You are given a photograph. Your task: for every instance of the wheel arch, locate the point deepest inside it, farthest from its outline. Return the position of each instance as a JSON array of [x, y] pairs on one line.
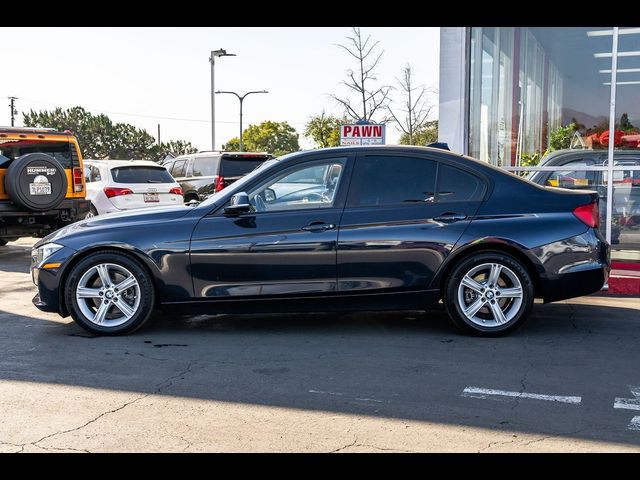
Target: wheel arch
[[127, 251], [488, 246]]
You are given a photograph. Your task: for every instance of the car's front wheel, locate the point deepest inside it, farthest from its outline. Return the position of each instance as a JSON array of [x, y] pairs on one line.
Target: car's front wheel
[[489, 294], [109, 293]]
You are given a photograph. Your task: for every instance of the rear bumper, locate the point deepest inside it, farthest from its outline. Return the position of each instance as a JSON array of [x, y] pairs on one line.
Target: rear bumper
[[16, 222], [73, 207], [573, 267]]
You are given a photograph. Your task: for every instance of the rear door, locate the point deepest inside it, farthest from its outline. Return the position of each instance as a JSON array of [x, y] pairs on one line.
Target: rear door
[[403, 216]]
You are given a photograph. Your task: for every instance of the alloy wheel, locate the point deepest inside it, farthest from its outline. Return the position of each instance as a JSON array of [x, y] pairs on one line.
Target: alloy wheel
[[490, 295], [108, 294]]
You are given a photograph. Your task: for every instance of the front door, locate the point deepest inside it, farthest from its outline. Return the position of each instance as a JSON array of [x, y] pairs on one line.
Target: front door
[[399, 223], [286, 246]]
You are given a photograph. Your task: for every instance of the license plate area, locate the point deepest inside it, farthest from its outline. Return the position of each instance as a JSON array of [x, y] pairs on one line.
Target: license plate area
[[40, 188], [151, 197]]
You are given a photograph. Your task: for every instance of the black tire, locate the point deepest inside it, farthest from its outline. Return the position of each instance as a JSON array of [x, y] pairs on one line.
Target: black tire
[[91, 213], [3, 242], [454, 309], [147, 293], [36, 170]]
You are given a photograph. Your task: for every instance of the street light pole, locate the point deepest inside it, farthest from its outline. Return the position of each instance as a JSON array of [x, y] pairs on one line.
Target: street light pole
[[215, 53], [241, 99]]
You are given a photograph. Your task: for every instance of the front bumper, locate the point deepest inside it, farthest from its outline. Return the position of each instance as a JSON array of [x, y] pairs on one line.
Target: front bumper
[[48, 281]]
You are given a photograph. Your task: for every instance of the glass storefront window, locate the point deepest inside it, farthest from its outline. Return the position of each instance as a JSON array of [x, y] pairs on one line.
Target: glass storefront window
[[533, 90], [626, 183], [538, 90]]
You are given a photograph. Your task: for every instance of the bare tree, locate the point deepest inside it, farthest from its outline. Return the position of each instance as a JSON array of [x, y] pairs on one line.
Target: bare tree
[[370, 99], [415, 110]]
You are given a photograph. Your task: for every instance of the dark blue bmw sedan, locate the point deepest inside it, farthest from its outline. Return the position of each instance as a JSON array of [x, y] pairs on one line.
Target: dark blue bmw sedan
[[348, 228]]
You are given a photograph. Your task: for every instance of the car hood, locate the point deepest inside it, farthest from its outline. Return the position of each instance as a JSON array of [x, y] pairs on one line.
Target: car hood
[[116, 220]]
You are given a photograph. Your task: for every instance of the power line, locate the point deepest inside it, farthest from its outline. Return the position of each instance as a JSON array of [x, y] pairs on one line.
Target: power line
[[160, 117]]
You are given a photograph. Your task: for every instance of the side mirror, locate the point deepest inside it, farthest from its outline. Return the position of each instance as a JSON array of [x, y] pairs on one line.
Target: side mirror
[[239, 204], [269, 195]]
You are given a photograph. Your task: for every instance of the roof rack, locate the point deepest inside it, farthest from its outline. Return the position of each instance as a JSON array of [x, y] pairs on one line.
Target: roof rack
[[49, 131]]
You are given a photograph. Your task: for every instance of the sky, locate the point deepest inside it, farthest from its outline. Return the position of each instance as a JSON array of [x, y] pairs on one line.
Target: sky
[[145, 76]]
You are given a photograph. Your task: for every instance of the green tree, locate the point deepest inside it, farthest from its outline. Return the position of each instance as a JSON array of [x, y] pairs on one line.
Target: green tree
[[99, 137], [277, 138], [424, 136], [324, 130], [561, 137], [173, 147]]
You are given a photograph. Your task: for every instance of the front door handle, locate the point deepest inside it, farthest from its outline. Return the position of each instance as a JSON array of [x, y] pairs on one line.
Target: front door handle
[[318, 227], [450, 217]]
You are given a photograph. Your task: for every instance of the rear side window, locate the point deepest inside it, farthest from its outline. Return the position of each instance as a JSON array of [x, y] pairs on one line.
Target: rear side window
[[236, 167], [178, 168], [205, 167], [61, 151], [455, 184], [141, 175], [392, 180], [570, 175]]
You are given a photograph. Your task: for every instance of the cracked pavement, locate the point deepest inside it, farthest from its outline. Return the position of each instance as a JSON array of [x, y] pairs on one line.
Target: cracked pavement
[[364, 382]]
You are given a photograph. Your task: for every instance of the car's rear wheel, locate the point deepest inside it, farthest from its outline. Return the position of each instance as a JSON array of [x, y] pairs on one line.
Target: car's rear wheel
[[489, 294], [3, 242], [109, 293]]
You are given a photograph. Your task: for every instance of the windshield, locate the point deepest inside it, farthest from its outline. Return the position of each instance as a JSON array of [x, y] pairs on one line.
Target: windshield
[[239, 185]]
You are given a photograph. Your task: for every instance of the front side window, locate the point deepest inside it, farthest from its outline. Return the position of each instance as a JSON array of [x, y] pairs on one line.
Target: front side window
[[95, 175], [178, 169], [389, 180], [303, 187]]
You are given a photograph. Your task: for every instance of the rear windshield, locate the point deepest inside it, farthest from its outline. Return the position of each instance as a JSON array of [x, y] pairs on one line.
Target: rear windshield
[[237, 167], [10, 150], [141, 175]]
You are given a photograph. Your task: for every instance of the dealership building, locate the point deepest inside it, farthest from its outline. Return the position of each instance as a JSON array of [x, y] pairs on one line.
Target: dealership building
[[509, 95]]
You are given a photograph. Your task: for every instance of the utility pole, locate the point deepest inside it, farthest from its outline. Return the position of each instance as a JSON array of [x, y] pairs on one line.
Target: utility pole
[[215, 53], [159, 142], [241, 98], [13, 110]]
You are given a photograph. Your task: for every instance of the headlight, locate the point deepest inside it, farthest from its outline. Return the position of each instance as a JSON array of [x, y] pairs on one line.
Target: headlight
[[43, 252]]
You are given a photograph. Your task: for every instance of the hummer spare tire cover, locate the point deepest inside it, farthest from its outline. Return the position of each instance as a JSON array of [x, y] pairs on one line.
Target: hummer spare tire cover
[[36, 181]]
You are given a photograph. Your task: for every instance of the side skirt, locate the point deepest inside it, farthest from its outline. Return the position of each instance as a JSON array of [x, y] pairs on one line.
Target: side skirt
[[421, 300]]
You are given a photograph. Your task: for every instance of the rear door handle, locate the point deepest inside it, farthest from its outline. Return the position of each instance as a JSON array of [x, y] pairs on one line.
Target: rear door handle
[[318, 227], [450, 217]]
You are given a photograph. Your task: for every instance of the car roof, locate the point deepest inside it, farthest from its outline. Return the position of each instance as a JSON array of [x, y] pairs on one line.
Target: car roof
[[558, 157], [121, 163]]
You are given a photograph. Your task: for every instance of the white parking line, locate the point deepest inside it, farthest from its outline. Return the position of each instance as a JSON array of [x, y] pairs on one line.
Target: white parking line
[[478, 392], [630, 404]]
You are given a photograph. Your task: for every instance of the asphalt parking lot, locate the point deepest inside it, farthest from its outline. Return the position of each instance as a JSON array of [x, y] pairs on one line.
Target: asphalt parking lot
[[567, 381]]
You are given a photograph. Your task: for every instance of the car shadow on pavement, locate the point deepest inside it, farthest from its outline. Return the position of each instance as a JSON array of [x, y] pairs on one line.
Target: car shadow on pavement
[[407, 365]]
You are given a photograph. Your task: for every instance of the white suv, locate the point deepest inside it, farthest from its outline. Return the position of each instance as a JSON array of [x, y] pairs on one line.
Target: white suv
[[115, 185]]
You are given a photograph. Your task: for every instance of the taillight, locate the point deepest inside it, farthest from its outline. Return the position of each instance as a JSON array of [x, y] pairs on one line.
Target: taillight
[[116, 192], [219, 183], [588, 214], [176, 190], [77, 179]]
